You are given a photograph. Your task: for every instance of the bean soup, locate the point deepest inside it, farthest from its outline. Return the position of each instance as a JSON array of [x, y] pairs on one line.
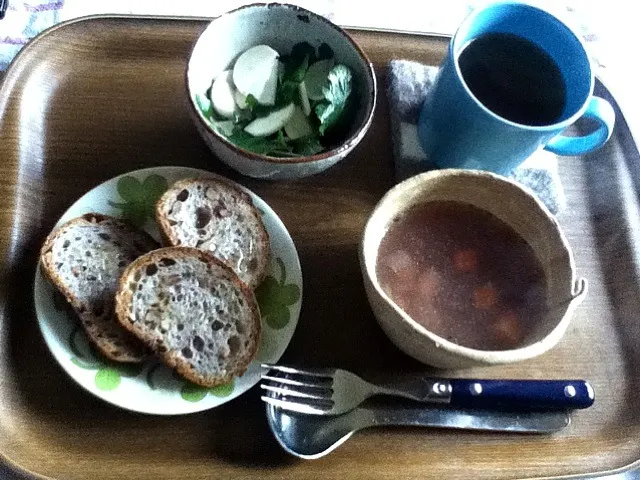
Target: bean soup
[[463, 274]]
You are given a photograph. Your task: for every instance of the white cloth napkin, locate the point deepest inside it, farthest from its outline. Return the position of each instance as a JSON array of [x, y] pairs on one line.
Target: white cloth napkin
[[409, 83]]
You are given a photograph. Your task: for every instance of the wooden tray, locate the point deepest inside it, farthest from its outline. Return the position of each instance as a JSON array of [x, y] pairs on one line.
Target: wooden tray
[[101, 96]]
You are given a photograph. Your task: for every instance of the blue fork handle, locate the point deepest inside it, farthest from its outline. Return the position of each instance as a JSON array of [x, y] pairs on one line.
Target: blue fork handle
[[521, 394]]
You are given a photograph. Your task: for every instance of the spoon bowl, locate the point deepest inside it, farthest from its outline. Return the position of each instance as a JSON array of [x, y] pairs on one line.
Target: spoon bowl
[[314, 436]]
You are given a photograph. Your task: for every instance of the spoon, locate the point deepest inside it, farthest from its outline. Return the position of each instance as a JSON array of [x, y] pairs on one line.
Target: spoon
[[313, 436]]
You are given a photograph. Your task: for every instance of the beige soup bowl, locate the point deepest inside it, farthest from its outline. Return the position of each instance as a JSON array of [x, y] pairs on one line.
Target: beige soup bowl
[[515, 206]]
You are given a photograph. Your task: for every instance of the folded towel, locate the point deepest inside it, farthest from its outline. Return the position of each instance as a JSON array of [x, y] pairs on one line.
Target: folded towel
[[409, 84]]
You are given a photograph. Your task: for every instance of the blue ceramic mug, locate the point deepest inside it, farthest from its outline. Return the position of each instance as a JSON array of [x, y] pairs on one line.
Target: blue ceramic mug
[[456, 130]]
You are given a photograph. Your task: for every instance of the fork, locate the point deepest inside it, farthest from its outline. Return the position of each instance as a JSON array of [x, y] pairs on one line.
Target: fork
[[333, 391]]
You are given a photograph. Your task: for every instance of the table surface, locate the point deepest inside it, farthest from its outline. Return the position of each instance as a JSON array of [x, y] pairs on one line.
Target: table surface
[[606, 28]]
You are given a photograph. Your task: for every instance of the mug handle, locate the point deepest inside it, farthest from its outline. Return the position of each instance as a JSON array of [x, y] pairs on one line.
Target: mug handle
[[601, 111]]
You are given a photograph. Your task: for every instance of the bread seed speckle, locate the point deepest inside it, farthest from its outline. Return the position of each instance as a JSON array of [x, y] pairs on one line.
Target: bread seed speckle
[[152, 269], [215, 326], [234, 344], [203, 217], [105, 236], [186, 352], [183, 195], [198, 343], [66, 244], [98, 308], [167, 262]]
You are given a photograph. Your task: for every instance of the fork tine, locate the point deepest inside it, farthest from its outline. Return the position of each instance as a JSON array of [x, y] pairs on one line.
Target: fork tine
[[295, 383], [292, 393], [313, 372], [294, 406]]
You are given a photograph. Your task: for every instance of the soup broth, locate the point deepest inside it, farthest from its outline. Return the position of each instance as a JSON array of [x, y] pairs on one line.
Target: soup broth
[[463, 274]]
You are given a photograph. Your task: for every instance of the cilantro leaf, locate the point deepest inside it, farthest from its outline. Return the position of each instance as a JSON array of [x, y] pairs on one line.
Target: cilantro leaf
[[307, 145], [287, 92], [251, 101], [276, 145], [336, 93], [324, 52], [296, 65]]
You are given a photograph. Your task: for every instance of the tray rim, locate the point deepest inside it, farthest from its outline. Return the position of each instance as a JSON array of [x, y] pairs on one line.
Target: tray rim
[[33, 43]]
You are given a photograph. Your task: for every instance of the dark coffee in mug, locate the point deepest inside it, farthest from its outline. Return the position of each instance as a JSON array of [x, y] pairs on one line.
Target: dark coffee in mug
[[514, 78]]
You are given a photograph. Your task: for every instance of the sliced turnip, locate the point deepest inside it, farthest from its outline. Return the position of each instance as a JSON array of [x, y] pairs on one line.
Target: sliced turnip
[[256, 72], [304, 98], [298, 125], [268, 96], [264, 126], [222, 95], [241, 100], [316, 77], [225, 127]]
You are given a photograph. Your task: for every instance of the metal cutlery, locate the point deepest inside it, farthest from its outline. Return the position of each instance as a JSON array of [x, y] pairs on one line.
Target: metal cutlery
[[332, 391], [312, 436]]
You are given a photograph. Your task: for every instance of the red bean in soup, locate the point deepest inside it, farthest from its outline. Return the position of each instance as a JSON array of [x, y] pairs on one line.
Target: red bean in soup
[[463, 274]]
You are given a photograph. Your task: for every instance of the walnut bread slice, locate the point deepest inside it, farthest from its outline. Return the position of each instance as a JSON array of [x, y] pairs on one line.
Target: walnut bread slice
[[84, 259], [216, 216], [193, 311]]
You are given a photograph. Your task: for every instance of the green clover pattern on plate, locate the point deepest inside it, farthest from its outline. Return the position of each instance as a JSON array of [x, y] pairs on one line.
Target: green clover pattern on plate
[[139, 197], [108, 373], [194, 393], [275, 296]]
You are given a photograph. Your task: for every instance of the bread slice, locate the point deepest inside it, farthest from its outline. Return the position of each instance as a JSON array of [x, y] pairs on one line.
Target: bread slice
[[216, 216], [84, 259], [193, 311]]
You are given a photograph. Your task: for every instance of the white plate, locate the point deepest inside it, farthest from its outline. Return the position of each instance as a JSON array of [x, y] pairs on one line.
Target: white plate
[[151, 387]]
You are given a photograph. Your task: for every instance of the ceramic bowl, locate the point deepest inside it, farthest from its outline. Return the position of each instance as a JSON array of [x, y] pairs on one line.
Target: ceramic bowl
[[514, 205], [280, 26]]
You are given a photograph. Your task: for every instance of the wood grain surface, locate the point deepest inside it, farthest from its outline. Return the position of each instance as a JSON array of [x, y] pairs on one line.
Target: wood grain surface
[[100, 97]]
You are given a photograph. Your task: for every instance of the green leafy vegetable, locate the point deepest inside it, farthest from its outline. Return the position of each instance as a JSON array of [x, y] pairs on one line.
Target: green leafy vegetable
[[251, 101], [308, 145], [329, 111], [287, 92], [324, 52], [302, 55], [206, 108], [271, 145], [337, 93], [204, 104]]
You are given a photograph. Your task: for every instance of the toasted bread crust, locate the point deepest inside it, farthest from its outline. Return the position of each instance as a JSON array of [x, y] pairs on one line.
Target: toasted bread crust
[[172, 358], [170, 236], [131, 349]]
